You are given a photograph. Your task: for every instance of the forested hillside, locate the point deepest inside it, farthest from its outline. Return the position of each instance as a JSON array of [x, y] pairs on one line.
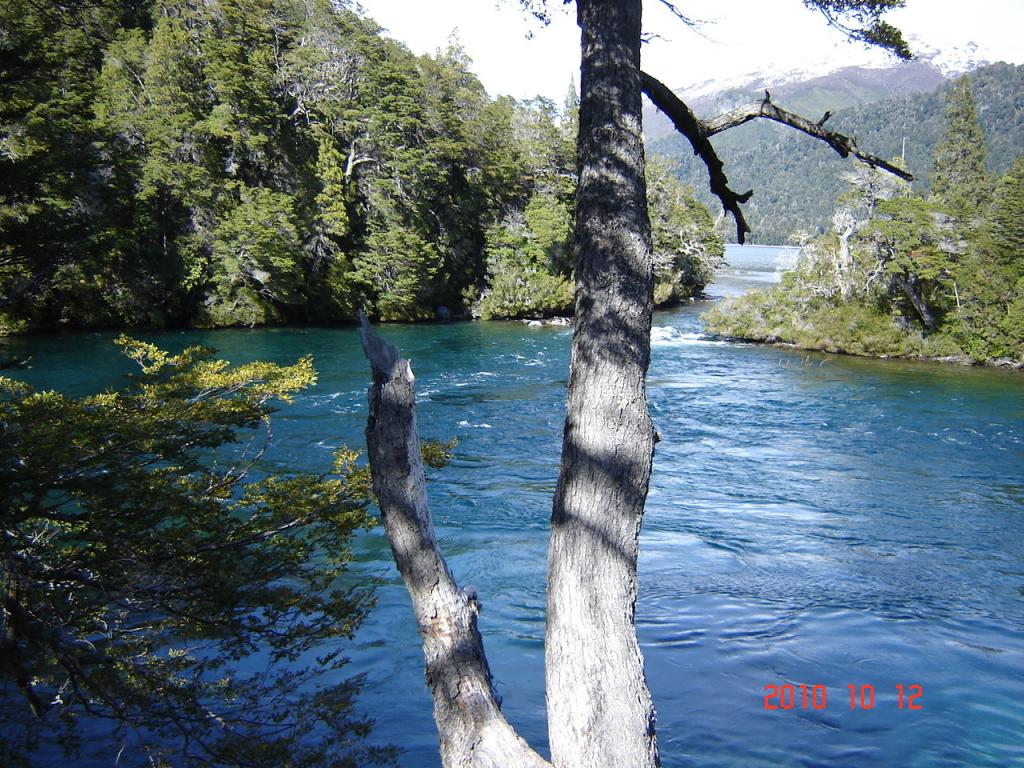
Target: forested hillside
[[264, 161], [796, 180]]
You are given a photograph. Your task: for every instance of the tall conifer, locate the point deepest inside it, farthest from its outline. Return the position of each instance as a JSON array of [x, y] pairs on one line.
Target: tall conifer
[[960, 179]]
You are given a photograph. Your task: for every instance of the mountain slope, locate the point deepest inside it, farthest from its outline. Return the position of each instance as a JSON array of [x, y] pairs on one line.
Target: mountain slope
[[811, 95], [796, 179]]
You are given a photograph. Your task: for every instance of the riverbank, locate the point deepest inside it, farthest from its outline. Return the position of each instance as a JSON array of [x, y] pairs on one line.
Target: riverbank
[[440, 317], [776, 318]]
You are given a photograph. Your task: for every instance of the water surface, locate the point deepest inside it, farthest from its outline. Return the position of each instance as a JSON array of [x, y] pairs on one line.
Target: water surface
[[812, 520]]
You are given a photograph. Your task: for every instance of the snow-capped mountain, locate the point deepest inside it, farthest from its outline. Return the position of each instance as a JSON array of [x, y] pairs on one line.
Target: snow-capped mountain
[[893, 112], [949, 61], [846, 77], [954, 60]]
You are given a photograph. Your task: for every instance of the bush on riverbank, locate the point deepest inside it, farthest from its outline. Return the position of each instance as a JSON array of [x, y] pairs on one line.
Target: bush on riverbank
[[851, 328], [519, 293]]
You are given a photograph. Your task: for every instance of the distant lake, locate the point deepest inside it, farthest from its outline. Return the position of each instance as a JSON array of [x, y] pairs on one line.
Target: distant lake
[[813, 520], [752, 266]]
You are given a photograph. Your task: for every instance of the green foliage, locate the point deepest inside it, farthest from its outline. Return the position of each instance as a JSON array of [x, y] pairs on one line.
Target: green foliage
[[396, 270], [238, 162], [862, 20], [686, 248], [990, 313], [904, 231], [524, 293], [238, 47], [549, 221], [436, 454], [833, 326], [528, 250], [960, 177], [332, 200], [520, 285], [260, 161], [900, 276], [1005, 226], [48, 59], [1012, 324], [256, 259], [159, 588], [910, 244]]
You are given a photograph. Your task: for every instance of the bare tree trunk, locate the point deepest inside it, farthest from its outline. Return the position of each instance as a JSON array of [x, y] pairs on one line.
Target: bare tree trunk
[[911, 287], [599, 708], [473, 731], [600, 713], [843, 225]]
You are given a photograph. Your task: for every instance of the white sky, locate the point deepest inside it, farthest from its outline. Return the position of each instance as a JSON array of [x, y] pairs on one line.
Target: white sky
[[740, 36]]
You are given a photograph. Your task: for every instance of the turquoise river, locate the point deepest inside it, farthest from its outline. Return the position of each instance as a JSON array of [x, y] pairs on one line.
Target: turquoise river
[[813, 520]]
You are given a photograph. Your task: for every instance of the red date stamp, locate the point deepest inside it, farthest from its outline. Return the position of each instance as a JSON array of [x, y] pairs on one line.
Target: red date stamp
[[816, 696]]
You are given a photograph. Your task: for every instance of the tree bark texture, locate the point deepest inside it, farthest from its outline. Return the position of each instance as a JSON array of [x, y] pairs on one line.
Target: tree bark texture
[[473, 731], [599, 707]]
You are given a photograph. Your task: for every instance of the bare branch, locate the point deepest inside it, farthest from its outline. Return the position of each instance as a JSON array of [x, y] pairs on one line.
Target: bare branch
[[354, 160], [680, 15], [474, 733], [699, 132], [687, 124], [844, 145]]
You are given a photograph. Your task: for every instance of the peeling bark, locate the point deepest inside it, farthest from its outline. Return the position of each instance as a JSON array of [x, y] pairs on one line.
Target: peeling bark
[[473, 731]]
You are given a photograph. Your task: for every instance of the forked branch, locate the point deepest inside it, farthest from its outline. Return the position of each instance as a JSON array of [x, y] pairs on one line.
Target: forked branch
[[473, 731], [686, 123], [699, 132]]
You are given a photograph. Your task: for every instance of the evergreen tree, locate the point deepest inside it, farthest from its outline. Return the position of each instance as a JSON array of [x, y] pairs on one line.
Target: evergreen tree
[[397, 269], [960, 179], [991, 312], [52, 264], [239, 41], [1005, 228], [522, 280], [549, 221], [908, 241], [257, 264]]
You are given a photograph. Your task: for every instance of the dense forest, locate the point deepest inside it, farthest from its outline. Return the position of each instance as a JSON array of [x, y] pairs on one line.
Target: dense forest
[[777, 163], [244, 162], [901, 274]]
